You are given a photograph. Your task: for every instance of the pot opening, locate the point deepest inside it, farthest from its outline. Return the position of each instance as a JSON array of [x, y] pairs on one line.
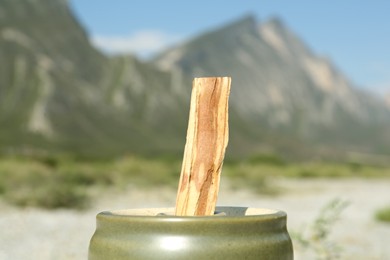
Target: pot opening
[[220, 212]]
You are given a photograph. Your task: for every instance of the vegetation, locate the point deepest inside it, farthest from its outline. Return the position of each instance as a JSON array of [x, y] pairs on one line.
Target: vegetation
[[52, 182], [316, 238], [55, 181], [383, 214]]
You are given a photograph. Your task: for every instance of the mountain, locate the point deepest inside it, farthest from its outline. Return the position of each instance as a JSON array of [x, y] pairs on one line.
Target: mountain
[[60, 95], [282, 88], [58, 92]]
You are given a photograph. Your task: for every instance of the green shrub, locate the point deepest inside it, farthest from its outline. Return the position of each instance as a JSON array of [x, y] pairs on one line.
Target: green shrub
[[306, 173], [45, 189], [268, 159], [316, 237], [49, 161], [50, 196], [254, 177], [355, 166], [2, 187], [77, 177], [61, 196], [383, 214]]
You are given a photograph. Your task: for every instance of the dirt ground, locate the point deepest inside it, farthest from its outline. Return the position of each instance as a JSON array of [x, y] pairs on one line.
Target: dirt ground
[[64, 234]]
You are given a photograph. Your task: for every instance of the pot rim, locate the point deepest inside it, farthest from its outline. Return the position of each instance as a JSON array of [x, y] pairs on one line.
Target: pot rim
[[168, 215]]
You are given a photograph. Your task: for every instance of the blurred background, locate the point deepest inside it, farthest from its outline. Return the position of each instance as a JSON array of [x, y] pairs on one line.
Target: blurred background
[[94, 102]]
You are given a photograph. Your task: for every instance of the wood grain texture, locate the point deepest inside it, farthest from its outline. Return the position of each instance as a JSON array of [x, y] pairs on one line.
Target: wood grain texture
[[207, 138]]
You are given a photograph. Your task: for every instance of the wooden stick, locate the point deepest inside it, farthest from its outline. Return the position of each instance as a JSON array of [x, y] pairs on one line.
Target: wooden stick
[[207, 138]]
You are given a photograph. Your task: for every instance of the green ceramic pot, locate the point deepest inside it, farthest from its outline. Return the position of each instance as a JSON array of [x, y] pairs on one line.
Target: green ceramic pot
[[232, 233]]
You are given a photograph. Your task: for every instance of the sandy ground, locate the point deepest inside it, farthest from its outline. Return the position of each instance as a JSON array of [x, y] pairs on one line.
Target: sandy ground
[[64, 234]]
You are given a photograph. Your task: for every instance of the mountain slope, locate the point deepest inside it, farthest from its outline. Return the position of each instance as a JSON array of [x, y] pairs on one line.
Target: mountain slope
[[59, 94], [279, 85], [57, 91]]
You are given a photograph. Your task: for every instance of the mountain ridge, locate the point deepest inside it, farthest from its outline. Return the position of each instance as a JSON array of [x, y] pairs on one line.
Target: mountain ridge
[[282, 78], [58, 94]]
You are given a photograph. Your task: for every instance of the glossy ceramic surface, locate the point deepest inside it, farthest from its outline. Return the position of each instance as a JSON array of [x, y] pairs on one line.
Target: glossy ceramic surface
[[233, 233]]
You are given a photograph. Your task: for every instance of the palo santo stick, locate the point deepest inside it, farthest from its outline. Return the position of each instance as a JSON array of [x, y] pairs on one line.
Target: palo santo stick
[[207, 138]]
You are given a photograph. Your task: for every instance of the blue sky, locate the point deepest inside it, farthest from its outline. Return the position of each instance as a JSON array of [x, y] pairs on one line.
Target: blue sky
[[355, 35]]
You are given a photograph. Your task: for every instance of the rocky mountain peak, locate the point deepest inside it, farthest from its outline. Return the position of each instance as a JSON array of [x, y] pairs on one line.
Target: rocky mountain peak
[[59, 93], [280, 83], [247, 23]]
